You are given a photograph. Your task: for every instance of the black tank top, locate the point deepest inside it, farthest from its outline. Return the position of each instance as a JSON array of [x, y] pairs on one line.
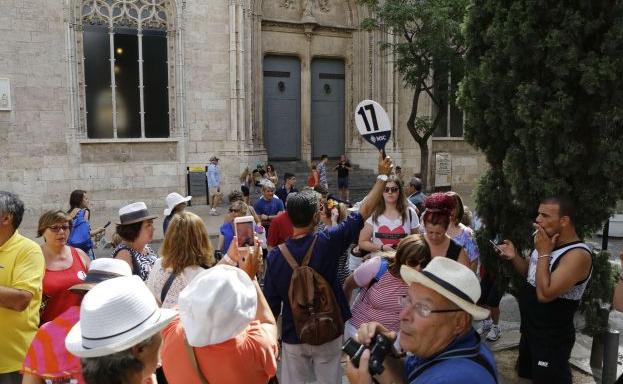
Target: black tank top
[[454, 249]]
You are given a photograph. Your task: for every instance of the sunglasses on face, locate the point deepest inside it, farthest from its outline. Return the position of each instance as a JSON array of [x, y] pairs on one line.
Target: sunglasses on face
[[232, 210], [391, 189], [57, 228]]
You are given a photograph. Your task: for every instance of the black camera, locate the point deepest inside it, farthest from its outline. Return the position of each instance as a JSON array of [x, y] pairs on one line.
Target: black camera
[[380, 347]]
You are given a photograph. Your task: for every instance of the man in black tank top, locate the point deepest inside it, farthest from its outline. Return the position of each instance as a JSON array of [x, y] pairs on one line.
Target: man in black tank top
[[557, 273]]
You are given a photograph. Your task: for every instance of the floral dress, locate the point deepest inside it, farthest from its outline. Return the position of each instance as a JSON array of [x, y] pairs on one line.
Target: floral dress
[[141, 263]]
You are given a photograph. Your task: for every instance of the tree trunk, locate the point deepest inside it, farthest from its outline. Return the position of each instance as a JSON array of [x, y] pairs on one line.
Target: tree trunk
[[424, 163]]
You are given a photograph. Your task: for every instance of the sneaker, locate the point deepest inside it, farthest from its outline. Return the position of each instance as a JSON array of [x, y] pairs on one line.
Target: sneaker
[[495, 333], [213, 212], [485, 327]]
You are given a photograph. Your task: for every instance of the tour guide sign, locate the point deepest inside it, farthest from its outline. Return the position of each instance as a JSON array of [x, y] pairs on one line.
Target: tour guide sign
[[373, 123]]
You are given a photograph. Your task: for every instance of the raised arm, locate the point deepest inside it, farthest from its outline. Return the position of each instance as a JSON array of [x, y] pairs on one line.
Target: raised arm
[[376, 194]]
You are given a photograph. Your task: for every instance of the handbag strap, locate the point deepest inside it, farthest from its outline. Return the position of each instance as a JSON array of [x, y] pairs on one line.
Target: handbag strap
[[193, 361], [166, 287]]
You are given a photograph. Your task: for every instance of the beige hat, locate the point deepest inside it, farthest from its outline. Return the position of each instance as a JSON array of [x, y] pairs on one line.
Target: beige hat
[[452, 280], [114, 316], [217, 305]]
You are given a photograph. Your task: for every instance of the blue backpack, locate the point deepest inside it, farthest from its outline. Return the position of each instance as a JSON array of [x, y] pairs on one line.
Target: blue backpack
[[80, 236]]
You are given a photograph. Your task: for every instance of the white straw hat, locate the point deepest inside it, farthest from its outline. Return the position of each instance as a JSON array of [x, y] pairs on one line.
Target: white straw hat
[[452, 280], [133, 213], [174, 199], [114, 316], [102, 269], [217, 305]]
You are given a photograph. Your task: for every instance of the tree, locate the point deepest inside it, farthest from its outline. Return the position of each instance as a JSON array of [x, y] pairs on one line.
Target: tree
[[542, 96], [428, 44]]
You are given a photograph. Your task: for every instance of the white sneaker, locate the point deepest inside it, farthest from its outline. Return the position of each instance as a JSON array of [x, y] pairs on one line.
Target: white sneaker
[[213, 212], [485, 327], [495, 333]]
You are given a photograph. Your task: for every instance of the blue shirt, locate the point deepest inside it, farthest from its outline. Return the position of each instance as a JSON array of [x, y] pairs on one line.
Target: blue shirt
[[330, 245], [270, 208], [282, 193], [457, 369], [214, 176], [227, 230]]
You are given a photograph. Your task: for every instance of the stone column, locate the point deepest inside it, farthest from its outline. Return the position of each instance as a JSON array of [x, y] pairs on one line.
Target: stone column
[[306, 149]]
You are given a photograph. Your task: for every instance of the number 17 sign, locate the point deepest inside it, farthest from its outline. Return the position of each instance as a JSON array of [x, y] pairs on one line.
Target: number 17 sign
[[373, 123]]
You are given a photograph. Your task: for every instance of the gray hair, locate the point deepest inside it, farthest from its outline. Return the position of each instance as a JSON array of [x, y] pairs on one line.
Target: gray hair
[[12, 205], [115, 368], [267, 184]]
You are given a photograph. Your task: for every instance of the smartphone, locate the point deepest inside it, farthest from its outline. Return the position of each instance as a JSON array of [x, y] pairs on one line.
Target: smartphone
[[495, 246], [243, 227]]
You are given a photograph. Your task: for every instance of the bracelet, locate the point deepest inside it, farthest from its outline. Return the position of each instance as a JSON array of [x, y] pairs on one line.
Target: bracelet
[[542, 256]]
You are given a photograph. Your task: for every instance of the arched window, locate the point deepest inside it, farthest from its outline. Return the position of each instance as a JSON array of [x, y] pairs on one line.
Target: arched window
[[124, 71]]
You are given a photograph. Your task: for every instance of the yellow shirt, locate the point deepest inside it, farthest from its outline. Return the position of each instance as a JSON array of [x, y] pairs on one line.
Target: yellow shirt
[[21, 267]]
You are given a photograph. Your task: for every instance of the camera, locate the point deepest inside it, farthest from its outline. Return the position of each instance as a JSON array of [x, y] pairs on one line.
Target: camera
[[380, 347]]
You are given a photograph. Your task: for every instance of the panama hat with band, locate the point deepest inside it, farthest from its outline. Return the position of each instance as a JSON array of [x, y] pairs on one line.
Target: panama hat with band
[[452, 280], [102, 269], [134, 213], [173, 199], [114, 316]]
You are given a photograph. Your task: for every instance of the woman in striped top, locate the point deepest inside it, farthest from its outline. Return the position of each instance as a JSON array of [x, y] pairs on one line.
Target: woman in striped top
[[381, 285]]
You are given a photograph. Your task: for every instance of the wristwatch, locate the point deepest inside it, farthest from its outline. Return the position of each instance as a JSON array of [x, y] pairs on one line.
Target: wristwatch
[[382, 177]]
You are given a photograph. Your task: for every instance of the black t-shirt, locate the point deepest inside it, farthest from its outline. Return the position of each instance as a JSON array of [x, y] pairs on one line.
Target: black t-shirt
[[342, 171]]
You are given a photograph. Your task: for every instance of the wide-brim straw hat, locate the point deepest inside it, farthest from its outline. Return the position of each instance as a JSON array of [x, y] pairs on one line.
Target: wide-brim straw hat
[[114, 316], [100, 270], [134, 213], [173, 199], [452, 280]]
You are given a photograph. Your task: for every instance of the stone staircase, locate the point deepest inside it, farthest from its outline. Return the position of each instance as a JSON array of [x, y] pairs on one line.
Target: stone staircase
[[360, 180]]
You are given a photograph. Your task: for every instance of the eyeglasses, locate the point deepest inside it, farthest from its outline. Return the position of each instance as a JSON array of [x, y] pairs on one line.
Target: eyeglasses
[[57, 228], [422, 309], [391, 189]]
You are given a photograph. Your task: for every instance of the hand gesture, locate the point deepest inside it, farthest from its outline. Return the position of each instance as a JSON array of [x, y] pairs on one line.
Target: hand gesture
[[506, 250], [385, 165], [542, 242]]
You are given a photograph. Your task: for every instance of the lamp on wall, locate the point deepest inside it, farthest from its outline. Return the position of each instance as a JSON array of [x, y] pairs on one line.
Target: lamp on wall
[[281, 86]]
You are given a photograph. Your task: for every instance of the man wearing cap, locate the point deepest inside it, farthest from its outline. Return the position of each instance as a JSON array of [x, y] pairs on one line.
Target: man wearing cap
[[21, 272], [303, 208], [47, 359], [118, 335], [436, 328], [557, 274], [214, 184], [225, 325]]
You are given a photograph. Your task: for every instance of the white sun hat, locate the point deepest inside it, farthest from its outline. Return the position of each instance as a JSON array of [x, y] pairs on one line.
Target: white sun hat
[[100, 270], [452, 280], [174, 199], [114, 316], [217, 305]]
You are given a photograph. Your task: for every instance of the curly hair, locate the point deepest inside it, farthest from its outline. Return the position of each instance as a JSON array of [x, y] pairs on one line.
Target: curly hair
[[186, 243], [438, 208]]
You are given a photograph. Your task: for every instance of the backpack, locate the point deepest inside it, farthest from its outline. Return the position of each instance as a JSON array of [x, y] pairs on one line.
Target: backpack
[[315, 311], [80, 235]]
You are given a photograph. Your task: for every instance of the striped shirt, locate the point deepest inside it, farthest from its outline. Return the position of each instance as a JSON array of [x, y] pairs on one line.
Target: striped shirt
[[380, 301]]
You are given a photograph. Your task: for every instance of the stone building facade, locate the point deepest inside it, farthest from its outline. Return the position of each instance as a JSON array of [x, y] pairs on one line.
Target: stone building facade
[[234, 70]]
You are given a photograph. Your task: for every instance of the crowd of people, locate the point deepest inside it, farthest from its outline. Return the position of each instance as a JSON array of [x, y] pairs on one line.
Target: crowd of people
[[398, 273]]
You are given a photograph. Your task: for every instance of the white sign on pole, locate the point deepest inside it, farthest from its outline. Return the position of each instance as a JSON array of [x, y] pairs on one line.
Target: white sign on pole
[[373, 123], [443, 169]]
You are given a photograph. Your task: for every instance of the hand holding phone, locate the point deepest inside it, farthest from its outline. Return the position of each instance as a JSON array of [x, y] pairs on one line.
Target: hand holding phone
[[244, 229]]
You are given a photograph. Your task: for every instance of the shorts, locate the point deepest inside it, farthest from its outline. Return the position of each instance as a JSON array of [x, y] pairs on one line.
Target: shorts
[[214, 191], [491, 295], [342, 182], [245, 190], [544, 362]]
